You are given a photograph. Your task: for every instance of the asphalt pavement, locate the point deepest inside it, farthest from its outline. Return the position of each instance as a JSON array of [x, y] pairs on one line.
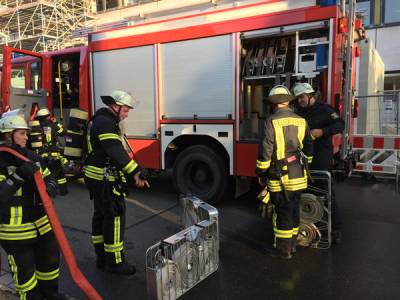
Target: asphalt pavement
[[365, 265]]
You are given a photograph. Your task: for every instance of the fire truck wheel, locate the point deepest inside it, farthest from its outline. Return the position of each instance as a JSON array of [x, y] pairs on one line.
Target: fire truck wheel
[[200, 171]]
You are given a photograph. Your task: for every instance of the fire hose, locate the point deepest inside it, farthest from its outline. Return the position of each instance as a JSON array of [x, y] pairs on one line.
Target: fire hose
[[77, 276], [308, 234], [311, 208]]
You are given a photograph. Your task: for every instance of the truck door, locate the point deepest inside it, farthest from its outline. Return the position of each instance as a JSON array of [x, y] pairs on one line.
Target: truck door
[[23, 83]]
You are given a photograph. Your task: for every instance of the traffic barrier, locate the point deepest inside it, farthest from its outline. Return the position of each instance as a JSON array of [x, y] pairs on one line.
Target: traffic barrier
[[377, 153]]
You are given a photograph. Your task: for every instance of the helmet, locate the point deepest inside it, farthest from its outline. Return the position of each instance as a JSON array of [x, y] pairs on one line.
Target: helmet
[[280, 94], [302, 88], [11, 123], [43, 112], [120, 98]]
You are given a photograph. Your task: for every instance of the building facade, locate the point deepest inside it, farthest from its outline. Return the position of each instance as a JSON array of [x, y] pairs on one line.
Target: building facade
[[382, 21]]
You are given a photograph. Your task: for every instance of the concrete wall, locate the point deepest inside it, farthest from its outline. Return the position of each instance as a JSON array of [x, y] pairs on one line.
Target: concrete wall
[[386, 40], [370, 82]]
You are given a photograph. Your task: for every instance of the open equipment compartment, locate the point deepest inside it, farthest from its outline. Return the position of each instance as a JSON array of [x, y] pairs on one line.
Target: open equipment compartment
[[284, 55]]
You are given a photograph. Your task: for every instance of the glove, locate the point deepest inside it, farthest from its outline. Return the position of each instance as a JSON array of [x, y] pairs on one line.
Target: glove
[[139, 181], [265, 203], [55, 164], [262, 181], [51, 188], [26, 170]]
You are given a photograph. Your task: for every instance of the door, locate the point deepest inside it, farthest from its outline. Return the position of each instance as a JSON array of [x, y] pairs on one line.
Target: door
[[131, 70], [23, 83]]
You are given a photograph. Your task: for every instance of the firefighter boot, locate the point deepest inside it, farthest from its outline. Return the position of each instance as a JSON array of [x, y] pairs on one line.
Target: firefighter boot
[[56, 296], [121, 269], [294, 243], [278, 253], [337, 237], [283, 248], [62, 186], [100, 256]]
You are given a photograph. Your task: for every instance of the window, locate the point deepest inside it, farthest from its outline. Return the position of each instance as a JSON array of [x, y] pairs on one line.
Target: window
[[392, 11], [365, 8], [36, 75], [18, 78], [111, 4]]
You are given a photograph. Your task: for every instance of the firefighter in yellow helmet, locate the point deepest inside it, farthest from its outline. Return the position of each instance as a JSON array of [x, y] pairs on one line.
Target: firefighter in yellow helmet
[[25, 231], [108, 169], [51, 131], [285, 148]]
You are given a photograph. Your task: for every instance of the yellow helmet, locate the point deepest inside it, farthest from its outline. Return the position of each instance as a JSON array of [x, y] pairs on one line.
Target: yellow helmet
[[13, 122], [302, 88], [43, 112], [120, 98]]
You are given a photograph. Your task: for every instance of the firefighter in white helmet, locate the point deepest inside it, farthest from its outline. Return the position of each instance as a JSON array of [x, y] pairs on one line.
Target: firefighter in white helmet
[[108, 168], [285, 143], [51, 131], [324, 122], [25, 231]]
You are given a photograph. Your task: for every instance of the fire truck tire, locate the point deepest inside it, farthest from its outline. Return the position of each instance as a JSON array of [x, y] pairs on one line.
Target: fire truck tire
[[200, 171]]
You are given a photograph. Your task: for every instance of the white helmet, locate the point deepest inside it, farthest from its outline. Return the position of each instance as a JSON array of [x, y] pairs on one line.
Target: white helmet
[[120, 98], [280, 94], [43, 112], [302, 88], [11, 123]]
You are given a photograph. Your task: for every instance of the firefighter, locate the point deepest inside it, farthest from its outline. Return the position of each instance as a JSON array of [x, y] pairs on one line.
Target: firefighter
[[25, 231], [108, 168], [51, 131], [324, 122], [285, 149]]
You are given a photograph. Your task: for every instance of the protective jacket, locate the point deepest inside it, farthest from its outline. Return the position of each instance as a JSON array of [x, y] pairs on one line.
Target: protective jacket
[[105, 148], [285, 134], [50, 132], [322, 116], [21, 206]]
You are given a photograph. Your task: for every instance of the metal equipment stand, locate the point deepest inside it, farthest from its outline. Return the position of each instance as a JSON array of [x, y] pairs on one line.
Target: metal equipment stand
[[315, 212]]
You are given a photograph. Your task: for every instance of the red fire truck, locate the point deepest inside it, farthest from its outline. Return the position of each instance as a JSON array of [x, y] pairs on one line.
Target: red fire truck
[[201, 81]]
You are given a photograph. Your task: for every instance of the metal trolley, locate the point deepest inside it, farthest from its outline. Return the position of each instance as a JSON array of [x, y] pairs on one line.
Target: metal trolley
[[315, 212], [178, 263]]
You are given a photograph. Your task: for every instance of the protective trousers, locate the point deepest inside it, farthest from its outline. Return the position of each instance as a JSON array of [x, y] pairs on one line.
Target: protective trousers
[[108, 222], [286, 220], [35, 266]]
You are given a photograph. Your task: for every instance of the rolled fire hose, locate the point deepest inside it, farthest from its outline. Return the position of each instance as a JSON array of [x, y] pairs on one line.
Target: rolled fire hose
[[308, 234], [311, 208], [79, 279]]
